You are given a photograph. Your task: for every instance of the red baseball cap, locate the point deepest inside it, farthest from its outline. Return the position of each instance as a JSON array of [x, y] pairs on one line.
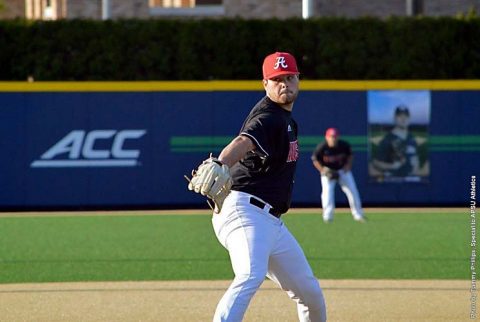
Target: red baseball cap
[[279, 63], [332, 132]]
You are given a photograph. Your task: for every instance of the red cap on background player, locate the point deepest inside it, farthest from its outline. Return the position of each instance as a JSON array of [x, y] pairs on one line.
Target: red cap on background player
[[332, 132], [278, 64]]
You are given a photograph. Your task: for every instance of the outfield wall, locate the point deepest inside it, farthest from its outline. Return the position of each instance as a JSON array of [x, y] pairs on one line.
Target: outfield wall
[[114, 144]]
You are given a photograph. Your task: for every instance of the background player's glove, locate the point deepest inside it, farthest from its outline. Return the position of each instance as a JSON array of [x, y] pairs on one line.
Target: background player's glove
[[212, 179], [399, 150], [331, 173]]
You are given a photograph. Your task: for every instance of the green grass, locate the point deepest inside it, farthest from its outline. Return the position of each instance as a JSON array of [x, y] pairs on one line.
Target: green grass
[[406, 246], [114, 248]]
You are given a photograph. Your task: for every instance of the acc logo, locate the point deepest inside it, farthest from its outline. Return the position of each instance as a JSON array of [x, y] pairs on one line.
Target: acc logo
[[80, 148]]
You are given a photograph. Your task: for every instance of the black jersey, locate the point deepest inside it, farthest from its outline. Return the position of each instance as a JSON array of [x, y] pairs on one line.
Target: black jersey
[[393, 148], [268, 171], [332, 157]]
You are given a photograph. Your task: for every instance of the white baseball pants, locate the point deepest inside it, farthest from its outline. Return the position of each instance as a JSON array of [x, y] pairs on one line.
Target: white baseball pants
[[347, 183], [260, 245]]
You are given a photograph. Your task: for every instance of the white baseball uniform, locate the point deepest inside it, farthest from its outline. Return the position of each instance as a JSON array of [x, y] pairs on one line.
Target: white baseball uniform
[[260, 245], [249, 224], [348, 186], [335, 158]]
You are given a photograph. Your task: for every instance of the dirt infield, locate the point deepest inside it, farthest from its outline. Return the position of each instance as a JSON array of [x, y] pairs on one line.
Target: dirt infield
[[347, 300]]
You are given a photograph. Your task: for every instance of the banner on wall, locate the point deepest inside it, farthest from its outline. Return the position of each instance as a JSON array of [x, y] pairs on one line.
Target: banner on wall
[[83, 149], [398, 123]]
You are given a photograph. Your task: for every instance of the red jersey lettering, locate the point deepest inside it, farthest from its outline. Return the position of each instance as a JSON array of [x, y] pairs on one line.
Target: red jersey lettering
[[293, 152]]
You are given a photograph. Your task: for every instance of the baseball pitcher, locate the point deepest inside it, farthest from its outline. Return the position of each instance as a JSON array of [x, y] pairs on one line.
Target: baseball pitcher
[[251, 185]]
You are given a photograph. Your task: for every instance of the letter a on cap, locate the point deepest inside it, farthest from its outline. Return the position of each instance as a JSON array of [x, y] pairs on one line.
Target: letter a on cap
[[280, 62]]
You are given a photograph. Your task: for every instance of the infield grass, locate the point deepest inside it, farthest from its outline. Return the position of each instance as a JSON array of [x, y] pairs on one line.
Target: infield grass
[[425, 245]]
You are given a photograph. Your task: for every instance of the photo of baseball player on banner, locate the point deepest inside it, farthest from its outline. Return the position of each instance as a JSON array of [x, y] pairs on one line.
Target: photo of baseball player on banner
[[398, 136]]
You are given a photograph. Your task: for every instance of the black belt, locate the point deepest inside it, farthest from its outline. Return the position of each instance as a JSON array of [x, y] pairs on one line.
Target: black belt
[[261, 205]]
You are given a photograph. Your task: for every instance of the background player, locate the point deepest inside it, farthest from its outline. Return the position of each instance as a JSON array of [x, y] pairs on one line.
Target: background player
[[261, 161], [333, 159], [397, 152]]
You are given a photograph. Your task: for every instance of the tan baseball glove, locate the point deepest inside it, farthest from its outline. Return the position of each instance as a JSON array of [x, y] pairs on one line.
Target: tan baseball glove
[[212, 179], [331, 174]]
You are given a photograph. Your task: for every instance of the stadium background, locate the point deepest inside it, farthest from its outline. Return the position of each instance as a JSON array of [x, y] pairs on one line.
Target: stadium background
[[183, 91], [184, 122]]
